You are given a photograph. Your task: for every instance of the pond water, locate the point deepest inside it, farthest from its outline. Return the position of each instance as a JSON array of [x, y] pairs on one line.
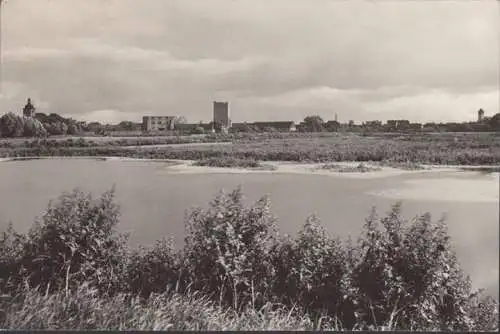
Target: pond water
[[154, 200]]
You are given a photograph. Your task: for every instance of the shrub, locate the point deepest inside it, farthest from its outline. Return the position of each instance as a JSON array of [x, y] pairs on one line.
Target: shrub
[[309, 270], [11, 254], [226, 249], [74, 242], [154, 269], [408, 274], [228, 163], [73, 267], [361, 168]]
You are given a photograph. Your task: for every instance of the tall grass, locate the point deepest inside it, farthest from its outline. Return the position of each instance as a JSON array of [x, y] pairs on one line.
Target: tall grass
[[74, 270], [85, 309], [459, 149]]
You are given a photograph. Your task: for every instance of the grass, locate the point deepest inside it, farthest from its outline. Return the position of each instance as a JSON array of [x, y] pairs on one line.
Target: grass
[[406, 150], [79, 142], [483, 169], [230, 162], [84, 309], [361, 168]]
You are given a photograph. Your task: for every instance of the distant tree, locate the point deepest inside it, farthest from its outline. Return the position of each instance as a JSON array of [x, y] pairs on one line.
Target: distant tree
[[332, 126], [53, 117], [11, 125], [271, 129], [180, 120], [43, 118], [125, 126], [34, 128], [54, 128], [313, 123], [94, 127], [198, 130], [73, 128], [55, 124], [494, 122], [247, 128]]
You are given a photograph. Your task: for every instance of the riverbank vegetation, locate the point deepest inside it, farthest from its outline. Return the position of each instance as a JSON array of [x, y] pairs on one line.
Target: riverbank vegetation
[[444, 149], [230, 162], [74, 270], [360, 168]]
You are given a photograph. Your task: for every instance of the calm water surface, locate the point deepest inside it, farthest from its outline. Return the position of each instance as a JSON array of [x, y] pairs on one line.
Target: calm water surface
[[155, 199]]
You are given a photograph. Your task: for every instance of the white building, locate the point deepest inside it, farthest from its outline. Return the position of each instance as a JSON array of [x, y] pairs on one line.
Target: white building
[[158, 123]]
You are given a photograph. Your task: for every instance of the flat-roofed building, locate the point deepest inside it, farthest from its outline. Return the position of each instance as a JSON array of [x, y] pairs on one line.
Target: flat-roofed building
[[158, 123], [221, 120]]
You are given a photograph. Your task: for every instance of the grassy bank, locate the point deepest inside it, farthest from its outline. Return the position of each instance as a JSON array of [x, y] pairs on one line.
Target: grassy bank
[[84, 309], [361, 168], [74, 270], [230, 162], [411, 150], [86, 142]]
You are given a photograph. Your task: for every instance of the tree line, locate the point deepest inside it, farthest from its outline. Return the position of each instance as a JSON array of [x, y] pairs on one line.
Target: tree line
[[41, 125]]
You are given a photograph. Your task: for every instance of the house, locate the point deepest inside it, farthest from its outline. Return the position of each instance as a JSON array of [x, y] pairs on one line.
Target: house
[[332, 126], [398, 125], [415, 127], [280, 126], [372, 125], [243, 127], [192, 127]]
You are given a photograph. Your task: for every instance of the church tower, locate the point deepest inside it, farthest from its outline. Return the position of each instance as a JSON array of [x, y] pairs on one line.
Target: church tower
[[29, 109]]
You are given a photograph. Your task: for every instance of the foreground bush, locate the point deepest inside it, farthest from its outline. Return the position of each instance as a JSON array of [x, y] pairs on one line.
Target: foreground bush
[[226, 250], [74, 242], [399, 274], [407, 275]]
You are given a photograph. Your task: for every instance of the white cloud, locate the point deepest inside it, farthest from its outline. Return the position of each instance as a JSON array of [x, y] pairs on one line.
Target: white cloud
[[438, 105]]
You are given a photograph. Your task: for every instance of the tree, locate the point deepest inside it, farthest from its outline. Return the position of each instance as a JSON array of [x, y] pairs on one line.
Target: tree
[[125, 126], [180, 120], [33, 128], [73, 128], [314, 123], [494, 122], [11, 125], [198, 130], [270, 129]]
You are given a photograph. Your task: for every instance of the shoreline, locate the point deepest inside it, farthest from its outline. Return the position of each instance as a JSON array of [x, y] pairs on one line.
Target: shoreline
[[283, 167]]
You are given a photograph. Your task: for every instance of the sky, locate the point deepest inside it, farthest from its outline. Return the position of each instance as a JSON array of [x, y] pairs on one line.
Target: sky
[[115, 60]]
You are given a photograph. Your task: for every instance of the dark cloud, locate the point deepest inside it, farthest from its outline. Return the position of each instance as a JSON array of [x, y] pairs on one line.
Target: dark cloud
[[276, 59]]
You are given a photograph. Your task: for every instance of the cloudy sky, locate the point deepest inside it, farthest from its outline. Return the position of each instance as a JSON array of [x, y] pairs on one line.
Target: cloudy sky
[[113, 60]]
